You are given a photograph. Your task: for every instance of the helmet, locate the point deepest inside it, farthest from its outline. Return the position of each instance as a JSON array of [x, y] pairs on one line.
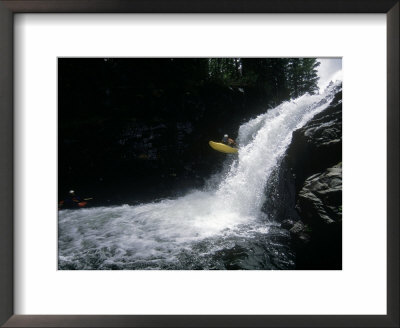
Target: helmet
[[72, 192], [225, 136]]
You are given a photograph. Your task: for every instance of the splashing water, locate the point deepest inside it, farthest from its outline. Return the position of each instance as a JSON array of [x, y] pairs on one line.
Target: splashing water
[[263, 141], [222, 228]]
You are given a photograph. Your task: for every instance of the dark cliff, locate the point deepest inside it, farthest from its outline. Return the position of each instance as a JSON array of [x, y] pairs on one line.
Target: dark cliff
[[306, 196]]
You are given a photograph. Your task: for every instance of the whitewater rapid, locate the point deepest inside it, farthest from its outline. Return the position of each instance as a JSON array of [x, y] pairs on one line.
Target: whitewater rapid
[[217, 228]]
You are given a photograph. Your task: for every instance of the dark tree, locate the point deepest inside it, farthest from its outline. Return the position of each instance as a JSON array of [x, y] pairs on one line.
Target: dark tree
[[310, 75], [302, 76]]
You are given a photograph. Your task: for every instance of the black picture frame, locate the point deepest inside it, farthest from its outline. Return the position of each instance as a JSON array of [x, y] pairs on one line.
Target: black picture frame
[[10, 7]]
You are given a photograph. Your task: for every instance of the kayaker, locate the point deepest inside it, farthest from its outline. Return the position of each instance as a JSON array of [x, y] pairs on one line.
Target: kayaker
[[72, 200], [228, 141]]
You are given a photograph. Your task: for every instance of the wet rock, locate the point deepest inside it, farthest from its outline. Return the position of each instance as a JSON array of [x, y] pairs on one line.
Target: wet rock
[[318, 145], [297, 227], [281, 195], [287, 224], [320, 199], [311, 178], [318, 242], [299, 232]]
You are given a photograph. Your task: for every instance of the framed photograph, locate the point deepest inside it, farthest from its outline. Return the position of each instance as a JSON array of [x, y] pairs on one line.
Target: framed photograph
[[181, 163]]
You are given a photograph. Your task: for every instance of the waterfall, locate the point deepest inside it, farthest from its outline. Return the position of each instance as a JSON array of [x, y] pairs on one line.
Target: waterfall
[[212, 229], [262, 143]]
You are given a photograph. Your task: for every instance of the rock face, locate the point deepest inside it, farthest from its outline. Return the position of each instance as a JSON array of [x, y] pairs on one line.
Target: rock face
[[320, 199], [319, 205], [318, 145], [310, 177]]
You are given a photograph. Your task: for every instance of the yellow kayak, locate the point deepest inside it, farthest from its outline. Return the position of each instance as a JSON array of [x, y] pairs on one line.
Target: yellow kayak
[[223, 148]]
